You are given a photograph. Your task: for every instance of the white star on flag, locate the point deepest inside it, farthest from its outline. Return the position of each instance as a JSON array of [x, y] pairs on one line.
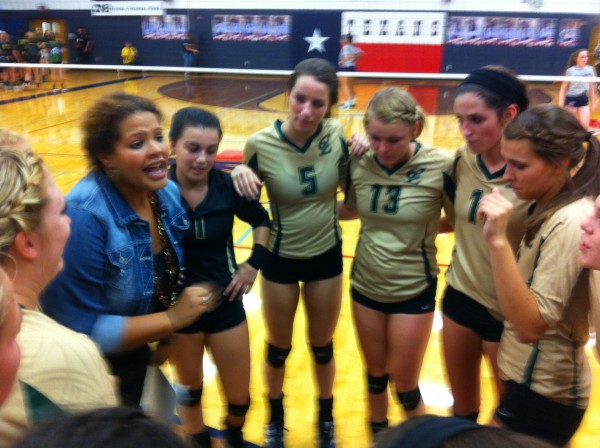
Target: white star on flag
[[316, 41]]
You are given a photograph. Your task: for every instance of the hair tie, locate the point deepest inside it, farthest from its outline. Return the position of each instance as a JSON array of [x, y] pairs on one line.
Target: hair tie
[[588, 136], [431, 433], [501, 84]]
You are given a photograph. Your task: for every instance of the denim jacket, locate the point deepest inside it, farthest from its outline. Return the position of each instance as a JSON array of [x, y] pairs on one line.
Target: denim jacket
[[109, 266]]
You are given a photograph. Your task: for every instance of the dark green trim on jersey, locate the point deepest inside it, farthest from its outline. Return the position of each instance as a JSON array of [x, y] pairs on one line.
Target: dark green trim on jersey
[[253, 162], [426, 264], [535, 263], [278, 236], [485, 171], [530, 367], [449, 186], [575, 386], [348, 182], [336, 223], [391, 171], [40, 407], [345, 147], [283, 137]]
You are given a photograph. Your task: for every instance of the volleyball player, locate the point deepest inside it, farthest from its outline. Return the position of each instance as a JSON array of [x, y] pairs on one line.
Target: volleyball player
[[486, 101], [397, 190], [544, 292], [302, 161]]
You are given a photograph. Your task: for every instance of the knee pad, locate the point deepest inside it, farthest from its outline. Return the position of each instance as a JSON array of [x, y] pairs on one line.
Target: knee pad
[[186, 397], [276, 356], [377, 384], [323, 354], [410, 400], [238, 410]]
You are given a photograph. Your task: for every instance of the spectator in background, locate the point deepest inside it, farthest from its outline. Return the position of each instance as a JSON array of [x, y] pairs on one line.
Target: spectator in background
[[83, 46], [190, 51], [129, 54], [348, 57], [579, 97], [8, 54]]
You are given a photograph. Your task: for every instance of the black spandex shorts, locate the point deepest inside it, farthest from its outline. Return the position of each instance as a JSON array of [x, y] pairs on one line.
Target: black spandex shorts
[[526, 411], [422, 304], [577, 101], [279, 269], [467, 312], [227, 315]]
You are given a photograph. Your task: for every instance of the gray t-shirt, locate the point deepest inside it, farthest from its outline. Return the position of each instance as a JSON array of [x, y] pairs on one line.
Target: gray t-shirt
[[580, 88]]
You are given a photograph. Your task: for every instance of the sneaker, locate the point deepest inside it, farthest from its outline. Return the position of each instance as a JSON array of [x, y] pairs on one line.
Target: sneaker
[[274, 436], [352, 102], [64, 90], [346, 106], [326, 435], [55, 90]]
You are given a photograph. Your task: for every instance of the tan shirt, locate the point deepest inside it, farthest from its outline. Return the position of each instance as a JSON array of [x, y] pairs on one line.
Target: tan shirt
[[302, 184], [65, 366], [556, 365], [470, 270]]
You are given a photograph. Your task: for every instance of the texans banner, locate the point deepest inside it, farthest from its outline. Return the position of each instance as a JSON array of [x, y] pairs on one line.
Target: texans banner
[[397, 41]]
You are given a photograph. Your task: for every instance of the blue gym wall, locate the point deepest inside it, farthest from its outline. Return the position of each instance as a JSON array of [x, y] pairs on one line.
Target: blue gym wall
[[111, 32]]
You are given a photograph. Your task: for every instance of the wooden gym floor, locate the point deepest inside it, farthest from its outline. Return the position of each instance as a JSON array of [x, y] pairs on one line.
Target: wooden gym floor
[[245, 105]]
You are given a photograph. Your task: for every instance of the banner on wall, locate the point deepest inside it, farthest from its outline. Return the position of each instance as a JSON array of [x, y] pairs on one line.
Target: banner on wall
[[570, 33], [168, 27], [397, 41], [127, 8], [503, 31], [253, 28]]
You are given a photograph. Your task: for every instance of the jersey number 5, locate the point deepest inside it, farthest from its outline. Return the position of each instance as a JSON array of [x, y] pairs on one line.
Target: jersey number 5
[[308, 178]]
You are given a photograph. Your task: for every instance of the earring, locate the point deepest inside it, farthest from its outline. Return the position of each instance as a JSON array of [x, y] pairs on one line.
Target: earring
[[113, 174]]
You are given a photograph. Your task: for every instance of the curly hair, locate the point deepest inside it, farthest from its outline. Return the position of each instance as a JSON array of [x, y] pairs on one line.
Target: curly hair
[[100, 126]]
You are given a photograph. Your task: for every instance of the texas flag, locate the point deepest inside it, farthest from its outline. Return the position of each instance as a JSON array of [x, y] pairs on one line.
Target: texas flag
[[408, 42]]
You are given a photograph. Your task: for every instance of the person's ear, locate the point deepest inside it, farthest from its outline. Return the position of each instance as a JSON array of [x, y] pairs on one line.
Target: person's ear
[[25, 245]]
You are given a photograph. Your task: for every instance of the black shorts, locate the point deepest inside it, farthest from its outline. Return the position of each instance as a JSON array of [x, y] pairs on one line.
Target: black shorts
[[422, 304], [279, 269], [351, 69], [526, 411], [227, 315], [577, 101], [467, 312]]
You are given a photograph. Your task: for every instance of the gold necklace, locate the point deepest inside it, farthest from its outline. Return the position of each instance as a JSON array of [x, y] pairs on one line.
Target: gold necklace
[[166, 291]]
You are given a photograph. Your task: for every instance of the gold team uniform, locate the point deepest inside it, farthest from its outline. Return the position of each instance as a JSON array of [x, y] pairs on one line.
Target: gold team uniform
[[399, 210], [302, 185], [555, 366], [470, 269]]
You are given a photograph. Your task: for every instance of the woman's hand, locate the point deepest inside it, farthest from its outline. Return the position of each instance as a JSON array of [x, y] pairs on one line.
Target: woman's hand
[[246, 182], [194, 301], [359, 144], [241, 283], [495, 210]]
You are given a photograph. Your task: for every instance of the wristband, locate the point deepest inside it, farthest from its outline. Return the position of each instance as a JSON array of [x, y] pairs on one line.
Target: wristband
[[259, 256]]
